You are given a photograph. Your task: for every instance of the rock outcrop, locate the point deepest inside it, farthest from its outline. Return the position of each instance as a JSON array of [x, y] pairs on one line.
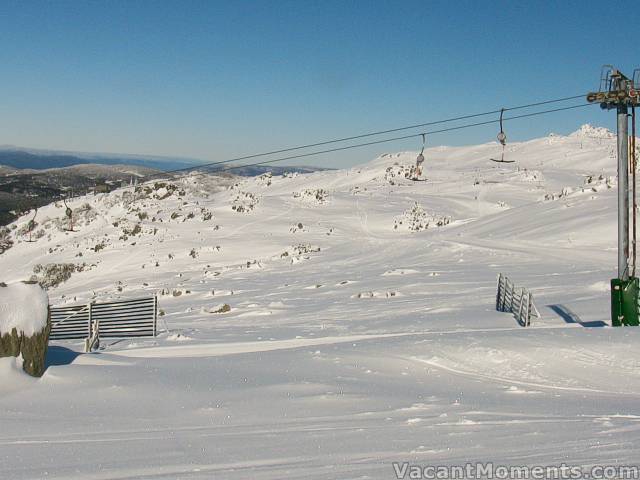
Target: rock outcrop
[[25, 325]]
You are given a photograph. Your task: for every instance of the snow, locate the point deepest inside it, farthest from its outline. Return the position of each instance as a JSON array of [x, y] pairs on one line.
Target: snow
[[593, 132], [349, 344], [24, 307], [13, 376]]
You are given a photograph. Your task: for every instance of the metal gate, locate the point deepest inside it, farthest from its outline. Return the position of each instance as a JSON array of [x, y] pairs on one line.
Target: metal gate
[[517, 300], [126, 318]]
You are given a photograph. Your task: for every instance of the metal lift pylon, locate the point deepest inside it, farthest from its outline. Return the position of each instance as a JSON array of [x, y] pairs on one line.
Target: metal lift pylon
[[621, 93]]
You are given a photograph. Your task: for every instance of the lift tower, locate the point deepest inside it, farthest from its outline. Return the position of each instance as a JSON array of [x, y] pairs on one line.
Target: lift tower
[[620, 92]]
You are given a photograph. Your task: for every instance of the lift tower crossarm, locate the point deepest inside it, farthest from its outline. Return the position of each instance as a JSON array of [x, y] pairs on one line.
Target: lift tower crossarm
[[622, 91]]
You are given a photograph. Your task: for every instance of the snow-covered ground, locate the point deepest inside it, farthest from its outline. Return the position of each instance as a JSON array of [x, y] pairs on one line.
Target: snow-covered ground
[[362, 328]]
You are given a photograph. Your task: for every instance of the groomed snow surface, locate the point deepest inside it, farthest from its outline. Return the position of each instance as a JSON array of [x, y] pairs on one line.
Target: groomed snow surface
[[362, 328]]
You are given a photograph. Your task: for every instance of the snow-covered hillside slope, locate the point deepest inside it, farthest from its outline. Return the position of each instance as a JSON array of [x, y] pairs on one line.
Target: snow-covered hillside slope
[[362, 327]]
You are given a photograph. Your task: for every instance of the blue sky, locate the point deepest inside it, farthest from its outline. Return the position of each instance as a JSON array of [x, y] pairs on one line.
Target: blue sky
[[217, 79]]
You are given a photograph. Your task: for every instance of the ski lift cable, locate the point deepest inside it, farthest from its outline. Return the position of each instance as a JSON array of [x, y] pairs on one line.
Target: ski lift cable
[[387, 140], [365, 135]]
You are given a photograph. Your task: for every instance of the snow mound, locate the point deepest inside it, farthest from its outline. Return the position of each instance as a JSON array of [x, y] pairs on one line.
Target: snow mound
[[23, 306], [590, 131], [13, 376]]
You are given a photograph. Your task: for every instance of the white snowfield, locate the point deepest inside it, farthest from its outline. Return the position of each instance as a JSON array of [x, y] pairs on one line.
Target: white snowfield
[[362, 328]]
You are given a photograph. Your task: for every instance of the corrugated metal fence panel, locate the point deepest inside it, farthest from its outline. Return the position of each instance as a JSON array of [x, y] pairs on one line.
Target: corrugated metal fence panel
[[126, 318], [129, 318], [69, 322]]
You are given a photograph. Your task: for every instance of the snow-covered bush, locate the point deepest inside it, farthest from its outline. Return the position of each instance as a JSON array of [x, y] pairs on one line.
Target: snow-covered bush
[[372, 294], [266, 179], [303, 248], [396, 171], [417, 219], [315, 195], [206, 214], [84, 215], [244, 202], [160, 190], [298, 227], [527, 175], [129, 230]]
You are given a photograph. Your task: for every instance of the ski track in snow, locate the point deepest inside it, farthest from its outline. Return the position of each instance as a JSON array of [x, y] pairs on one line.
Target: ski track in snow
[[511, 381]]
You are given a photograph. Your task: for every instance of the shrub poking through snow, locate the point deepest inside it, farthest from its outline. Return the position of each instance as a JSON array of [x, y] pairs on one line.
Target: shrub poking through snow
[[131, 231], [417, 219], [593, 183], [159, 190], [25, 325], [266, 179], [206, 214], [244, 202], [53, 274], [315, 195], [566, 191], [397, 171], [5, 239], [83, 215], [298, 227], [371, 294], [303, 248], [99, 246], [297, 253]]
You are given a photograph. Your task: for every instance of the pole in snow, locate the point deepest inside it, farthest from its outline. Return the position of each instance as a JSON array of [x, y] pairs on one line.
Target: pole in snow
[[623, 193]]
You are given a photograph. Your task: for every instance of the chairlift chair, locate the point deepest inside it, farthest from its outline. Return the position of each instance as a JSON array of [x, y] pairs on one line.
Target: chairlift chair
[[32, 224], [69, 213], [502, 138], [420, 160]]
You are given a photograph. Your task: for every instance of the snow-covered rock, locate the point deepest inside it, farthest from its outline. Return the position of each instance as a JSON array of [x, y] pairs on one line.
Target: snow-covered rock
[[590, 131], [24, 325], [23, 306]]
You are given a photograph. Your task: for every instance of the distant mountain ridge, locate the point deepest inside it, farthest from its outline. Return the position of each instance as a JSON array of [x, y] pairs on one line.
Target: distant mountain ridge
[[29, 158], [33, 178], [22, 158]]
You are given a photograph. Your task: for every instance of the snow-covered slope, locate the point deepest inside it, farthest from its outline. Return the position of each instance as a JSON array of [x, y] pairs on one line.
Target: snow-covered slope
[[361, 330]]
